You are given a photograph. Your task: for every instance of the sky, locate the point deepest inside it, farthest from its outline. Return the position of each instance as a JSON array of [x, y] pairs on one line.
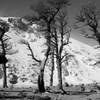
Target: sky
[[22, 7]]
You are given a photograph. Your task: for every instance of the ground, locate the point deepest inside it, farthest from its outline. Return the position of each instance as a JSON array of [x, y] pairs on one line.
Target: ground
[[73, 93]]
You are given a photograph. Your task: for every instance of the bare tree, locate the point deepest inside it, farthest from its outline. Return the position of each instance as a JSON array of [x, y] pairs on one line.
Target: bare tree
[[46, 12], [89, 18], [6, 49], [60, 38]]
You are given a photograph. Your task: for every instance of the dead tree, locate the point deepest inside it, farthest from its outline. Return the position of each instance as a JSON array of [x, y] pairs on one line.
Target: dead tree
[[6, 49], [89, 17], [46, 11], [3, 29], [60, 39]]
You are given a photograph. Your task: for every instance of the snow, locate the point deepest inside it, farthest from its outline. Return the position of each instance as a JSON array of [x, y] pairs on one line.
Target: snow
[[82, 63], [80, 66]]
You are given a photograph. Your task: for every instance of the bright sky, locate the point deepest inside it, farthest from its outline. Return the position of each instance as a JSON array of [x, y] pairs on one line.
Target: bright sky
[[22, 7]]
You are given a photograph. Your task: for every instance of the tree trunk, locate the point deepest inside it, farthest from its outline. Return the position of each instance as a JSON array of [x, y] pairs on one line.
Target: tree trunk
[[4, 65], [4, 76], [98, 41], [97, 34], [58, 62], [52, 69], [41, 85], [59, 73]]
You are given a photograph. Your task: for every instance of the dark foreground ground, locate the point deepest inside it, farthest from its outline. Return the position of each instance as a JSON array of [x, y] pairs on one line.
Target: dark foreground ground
[[72, 93]]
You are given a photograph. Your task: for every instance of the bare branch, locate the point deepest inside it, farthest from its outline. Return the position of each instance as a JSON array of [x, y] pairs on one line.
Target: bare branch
[[29, 47], [53, 43], [89, 15], [67, 57], [32, 53], [89, 36], [64, 56], [86, 35]]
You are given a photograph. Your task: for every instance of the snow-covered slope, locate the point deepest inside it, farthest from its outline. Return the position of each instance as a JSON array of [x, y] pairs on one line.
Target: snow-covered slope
[[81, 68]]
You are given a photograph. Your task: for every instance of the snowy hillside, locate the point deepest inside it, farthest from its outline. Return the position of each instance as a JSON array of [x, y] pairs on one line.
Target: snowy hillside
[[80, 65]]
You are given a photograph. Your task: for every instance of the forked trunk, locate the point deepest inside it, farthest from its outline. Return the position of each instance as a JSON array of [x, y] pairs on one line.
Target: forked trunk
[[41, 85]]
